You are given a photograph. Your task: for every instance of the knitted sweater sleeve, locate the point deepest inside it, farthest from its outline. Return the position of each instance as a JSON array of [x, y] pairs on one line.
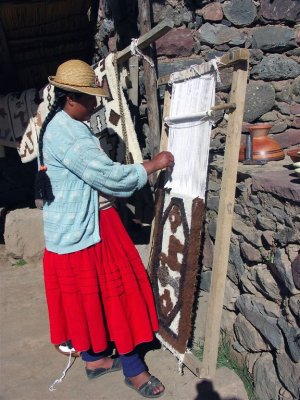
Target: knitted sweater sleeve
[[80, 152]]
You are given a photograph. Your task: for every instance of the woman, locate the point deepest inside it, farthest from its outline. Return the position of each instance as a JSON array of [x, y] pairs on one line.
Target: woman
[[97, 288]]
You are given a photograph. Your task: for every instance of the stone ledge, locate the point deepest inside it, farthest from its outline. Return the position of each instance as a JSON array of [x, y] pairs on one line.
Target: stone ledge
[[275, 177], [284, 184]]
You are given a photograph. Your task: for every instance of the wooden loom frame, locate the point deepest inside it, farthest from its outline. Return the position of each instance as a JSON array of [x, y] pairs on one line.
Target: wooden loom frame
[[239, 60]]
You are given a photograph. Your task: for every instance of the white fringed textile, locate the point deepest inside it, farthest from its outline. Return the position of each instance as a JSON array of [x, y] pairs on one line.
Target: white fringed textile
[[193, 92], [112, 104], [21, 117]]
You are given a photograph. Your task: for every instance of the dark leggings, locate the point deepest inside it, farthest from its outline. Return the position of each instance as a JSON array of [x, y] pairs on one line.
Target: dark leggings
[[131, 363]]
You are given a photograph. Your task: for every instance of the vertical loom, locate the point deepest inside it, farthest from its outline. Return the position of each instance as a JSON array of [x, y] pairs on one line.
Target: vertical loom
[[180, 209]]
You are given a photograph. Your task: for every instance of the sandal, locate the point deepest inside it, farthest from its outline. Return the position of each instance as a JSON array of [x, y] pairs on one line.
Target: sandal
[[66, 348], [146, 389], [95, 373]]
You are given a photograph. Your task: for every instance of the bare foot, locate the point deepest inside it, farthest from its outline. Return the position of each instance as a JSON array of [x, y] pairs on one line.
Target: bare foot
[[105, 362], [142, 378]]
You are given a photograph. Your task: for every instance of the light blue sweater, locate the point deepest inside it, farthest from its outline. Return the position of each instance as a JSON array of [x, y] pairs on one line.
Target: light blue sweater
[[78, 168]]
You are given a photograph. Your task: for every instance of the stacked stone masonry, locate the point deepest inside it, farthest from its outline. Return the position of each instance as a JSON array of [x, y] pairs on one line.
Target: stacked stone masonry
[[262, 298]]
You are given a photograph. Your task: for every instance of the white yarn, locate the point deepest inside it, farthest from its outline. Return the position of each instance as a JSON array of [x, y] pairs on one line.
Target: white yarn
[[179, 356], [190, 144], [59, 380], [135, 51]]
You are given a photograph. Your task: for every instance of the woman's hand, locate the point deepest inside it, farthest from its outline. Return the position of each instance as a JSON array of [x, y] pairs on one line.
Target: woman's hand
[[162, 160]]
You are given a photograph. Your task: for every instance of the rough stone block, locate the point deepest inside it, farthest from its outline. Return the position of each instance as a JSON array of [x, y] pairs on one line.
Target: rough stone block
[[23, 234]]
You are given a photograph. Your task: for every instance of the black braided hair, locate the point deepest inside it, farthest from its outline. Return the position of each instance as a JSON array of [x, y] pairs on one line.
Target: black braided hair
[[43, 189]]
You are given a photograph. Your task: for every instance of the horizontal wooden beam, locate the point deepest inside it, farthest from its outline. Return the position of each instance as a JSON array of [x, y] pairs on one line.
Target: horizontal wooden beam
[[227, 60], [224, 106], [144, 41], [232, 57]]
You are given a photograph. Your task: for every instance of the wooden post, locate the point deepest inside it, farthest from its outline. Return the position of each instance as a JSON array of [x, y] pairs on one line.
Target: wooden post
[[166, 112], [150, 82], [224, 221], [163, 147], [133, 91]]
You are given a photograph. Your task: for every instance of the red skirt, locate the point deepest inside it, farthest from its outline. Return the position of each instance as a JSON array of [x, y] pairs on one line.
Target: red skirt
[[100, 294]]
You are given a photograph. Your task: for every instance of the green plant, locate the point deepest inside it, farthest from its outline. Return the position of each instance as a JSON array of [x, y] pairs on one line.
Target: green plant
[[270, 256], [226, 358], [20, 263]]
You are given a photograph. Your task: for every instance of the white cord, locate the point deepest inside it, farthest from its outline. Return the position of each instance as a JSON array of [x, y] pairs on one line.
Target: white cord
[[51, 388], [135, 51], [215, 65]]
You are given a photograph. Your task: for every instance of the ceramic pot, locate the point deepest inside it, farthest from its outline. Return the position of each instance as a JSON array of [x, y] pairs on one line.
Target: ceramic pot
[[264, 148], [294, 154]]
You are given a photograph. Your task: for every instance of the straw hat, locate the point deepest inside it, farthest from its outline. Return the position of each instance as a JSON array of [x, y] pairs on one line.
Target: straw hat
[[77, 76]]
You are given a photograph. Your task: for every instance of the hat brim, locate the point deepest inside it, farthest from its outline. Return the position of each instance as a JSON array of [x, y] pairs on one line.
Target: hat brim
[[93, 91]]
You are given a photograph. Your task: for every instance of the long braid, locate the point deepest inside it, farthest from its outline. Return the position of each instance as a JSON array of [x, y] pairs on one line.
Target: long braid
[[43, 188]]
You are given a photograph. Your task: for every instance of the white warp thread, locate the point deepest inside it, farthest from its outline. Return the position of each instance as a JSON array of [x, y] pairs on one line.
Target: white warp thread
[[189, 142]]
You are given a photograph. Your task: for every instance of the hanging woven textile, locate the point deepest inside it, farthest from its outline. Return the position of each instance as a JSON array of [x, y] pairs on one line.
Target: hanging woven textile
[[111, 122], [180, 205]]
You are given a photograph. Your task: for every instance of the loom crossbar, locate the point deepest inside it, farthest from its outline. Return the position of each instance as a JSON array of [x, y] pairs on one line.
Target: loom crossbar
[[145, 40], [227, 60], [208, 113]]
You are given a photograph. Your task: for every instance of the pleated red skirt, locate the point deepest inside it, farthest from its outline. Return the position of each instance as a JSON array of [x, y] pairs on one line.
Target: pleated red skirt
[[100, 294]]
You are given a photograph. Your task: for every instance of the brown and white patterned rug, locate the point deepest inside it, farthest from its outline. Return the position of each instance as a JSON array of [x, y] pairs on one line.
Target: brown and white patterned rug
[[174, 266]]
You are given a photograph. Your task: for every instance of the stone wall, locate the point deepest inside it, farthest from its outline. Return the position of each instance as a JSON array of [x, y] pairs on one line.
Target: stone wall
[[262, 298], [270, 29], [271, 34]]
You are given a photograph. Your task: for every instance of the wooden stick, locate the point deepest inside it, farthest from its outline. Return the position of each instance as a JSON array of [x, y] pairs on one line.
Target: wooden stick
[[146, 39], [189, 117], [224, 106], [150, 83], [225, 61], [163, 146], [224, 221], [192, 363]]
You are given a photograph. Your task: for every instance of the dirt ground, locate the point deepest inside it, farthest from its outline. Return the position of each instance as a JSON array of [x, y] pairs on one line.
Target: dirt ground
[[30, 364]]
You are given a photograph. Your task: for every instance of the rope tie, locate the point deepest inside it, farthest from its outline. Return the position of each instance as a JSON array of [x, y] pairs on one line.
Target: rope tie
[[135, 51], [214, 63], [59, 380]]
